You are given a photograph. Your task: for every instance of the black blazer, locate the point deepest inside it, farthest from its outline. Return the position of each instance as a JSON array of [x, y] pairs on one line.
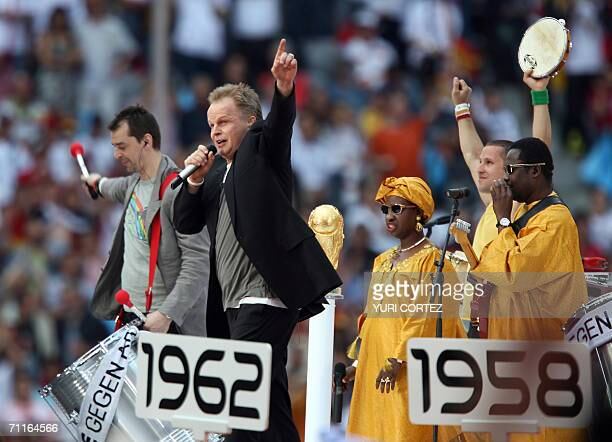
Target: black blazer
[[258, 191]]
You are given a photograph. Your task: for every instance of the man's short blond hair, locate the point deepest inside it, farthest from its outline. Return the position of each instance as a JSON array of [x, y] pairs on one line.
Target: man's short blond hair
[[244, 96]]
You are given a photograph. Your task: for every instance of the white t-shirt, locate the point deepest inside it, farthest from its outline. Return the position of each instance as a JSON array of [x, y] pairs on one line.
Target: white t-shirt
[[102, 43], [135, 271], [62, 166], [310, 161], [371, 58], [430, 26], [13, 37], [256, 19], [587, 56], [14, 159], [199, 31]]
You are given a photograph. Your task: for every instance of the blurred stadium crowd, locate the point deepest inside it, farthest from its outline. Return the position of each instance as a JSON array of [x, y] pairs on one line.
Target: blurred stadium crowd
[[373, 95]]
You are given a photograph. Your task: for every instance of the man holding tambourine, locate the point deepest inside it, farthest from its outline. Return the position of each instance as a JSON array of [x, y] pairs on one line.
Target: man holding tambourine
[[545, 240], [486, 164], [542, 53]]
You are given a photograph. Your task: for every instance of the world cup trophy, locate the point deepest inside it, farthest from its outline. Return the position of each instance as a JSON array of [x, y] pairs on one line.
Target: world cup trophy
[[328, 225]]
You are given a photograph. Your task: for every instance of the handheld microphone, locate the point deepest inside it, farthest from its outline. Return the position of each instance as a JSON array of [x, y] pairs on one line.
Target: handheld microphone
[[77, 151], [458, 193], [123, 298], [339, 373], [189, 170]]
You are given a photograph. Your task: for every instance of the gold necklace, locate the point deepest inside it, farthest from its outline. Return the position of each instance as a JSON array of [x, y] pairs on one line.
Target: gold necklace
[[412, 246], [397, 252]]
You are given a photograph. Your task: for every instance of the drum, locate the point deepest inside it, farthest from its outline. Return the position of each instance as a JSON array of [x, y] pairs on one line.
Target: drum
[[545, 47], [596, 275], [591, 324], [66, 392]]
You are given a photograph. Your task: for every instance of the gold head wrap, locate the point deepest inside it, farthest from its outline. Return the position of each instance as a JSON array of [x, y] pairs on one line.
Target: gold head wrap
[[412, 189]]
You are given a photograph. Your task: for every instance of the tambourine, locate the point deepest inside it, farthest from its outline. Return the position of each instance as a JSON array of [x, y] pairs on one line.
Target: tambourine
[[545, 47]]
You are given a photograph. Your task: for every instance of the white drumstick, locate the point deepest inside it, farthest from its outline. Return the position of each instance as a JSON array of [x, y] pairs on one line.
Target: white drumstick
[[77, 151]]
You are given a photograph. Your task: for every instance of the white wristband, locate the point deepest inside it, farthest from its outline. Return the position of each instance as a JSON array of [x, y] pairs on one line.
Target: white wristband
[[194, 184], [100, 185], [354, 364], [462, 107]]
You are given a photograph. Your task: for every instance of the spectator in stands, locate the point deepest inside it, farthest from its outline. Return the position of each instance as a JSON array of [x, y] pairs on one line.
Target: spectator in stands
[[192, 129], [498, 120], [58, 56], [310, 160], [15, 38], [107, 49], [256, 24], [430, 29], [586, 62], [198, 39], [25, 109], [397, 146], [23, 408], [370, 55]]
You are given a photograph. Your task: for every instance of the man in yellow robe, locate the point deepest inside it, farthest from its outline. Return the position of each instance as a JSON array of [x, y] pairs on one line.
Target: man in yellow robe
[[486, 161], [486, 164], [537, 270]]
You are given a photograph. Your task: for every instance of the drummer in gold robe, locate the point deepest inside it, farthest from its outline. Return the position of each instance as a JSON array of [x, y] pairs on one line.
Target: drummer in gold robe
[[538, 271], [379, 406]]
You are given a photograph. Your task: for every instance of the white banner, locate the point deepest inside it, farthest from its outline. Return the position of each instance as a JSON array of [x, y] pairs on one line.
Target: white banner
[[102, 396], [594, 328]]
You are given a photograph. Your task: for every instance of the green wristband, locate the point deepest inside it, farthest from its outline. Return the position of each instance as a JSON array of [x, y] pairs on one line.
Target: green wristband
[[539, 97]]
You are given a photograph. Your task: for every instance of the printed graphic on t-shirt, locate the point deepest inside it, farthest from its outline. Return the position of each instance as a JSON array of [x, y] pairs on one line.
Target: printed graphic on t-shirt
[[135, 217]]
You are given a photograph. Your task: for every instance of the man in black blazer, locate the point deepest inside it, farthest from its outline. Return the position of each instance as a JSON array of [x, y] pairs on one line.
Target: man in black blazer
[[267, 269]]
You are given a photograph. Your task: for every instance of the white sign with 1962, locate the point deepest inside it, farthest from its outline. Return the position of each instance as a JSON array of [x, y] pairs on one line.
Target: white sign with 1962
[[454, 381], [205, 384]]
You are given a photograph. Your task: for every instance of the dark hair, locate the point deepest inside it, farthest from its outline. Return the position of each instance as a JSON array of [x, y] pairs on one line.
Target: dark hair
[[58, 11], [504, 144], [140, 122], [533, 150]]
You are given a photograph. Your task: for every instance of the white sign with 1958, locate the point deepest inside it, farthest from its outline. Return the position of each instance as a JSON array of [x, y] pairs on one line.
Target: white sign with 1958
[[216, 384], [454, 381]]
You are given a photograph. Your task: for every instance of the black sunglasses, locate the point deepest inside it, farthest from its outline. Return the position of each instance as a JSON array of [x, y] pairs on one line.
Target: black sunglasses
[[395, 208], [509, 168]]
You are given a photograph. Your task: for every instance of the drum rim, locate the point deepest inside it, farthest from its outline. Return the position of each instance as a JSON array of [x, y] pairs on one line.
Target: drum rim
[[562, 58], [585, 309]]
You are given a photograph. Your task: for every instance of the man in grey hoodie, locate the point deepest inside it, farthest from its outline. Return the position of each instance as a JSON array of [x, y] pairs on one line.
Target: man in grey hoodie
[[180, 285]]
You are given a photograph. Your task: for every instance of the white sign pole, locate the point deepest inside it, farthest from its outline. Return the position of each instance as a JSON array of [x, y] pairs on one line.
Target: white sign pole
[[320, 367]]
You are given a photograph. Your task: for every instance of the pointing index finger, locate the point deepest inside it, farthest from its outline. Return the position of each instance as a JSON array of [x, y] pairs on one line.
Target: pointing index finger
[[281, 47]]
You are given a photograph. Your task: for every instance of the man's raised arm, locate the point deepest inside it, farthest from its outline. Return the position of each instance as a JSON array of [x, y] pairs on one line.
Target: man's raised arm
[[542, 127], [469, 140]]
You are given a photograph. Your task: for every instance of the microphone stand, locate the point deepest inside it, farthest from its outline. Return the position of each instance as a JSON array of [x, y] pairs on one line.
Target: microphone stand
[[438, 280]]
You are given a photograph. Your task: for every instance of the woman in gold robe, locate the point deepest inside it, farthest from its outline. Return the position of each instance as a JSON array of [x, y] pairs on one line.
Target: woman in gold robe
[[379, 406]]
